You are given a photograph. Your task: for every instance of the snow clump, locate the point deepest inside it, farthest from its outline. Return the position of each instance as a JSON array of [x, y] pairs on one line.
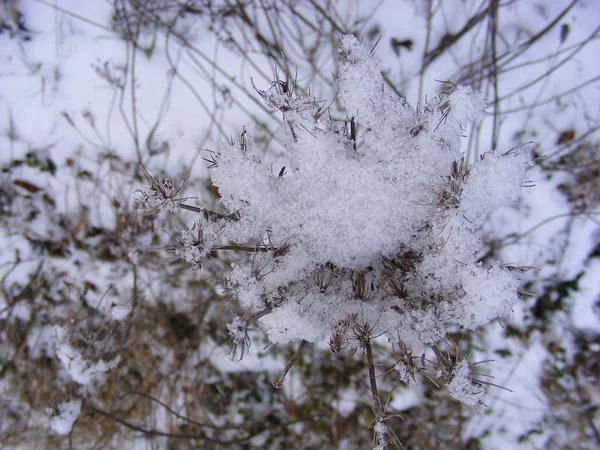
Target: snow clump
[[375, 219]]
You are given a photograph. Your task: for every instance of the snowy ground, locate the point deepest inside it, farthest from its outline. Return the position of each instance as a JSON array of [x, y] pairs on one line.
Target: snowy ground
[[80, 108]]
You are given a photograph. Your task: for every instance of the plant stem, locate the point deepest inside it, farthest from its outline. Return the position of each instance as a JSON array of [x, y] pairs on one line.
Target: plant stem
[[278, 383], [380, 429]]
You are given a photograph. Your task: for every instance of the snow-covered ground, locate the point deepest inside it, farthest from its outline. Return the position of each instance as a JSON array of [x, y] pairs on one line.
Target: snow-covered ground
[[93, 309]]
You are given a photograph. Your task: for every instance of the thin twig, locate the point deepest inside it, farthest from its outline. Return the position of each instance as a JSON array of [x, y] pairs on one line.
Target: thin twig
[[380, 429], [278, 383]]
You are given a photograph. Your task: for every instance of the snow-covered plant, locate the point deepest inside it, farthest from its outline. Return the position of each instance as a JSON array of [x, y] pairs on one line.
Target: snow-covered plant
[[87, 349], [461, 386], [373, 222]]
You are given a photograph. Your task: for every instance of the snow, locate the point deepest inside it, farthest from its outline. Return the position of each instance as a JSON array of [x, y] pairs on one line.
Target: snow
[[66, 415], [462, 387], [352, 208], [586, 309], [79, 369], [518, 410], [357, 209]]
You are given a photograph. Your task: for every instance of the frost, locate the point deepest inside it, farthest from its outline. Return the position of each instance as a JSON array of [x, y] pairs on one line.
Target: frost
[[381, 433], [238, 332], [193, 244], [375, 218], [64, 416], [190, 248], [158, 196], [151, 201], [494, 181], [462, 388]]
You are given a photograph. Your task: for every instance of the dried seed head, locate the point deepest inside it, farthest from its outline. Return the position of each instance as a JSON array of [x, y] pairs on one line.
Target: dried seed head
[[159, 195], [339, 338], [240, 340]]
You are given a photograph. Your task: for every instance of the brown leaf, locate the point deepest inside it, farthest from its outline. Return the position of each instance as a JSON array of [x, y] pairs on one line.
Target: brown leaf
[[566, 136], [27, 186]]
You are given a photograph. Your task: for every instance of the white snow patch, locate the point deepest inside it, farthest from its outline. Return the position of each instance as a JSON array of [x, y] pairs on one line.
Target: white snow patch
[[65, 416]]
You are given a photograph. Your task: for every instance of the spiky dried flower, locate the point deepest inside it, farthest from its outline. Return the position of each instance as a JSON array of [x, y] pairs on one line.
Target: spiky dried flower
[[240, 340], [160, 195]]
